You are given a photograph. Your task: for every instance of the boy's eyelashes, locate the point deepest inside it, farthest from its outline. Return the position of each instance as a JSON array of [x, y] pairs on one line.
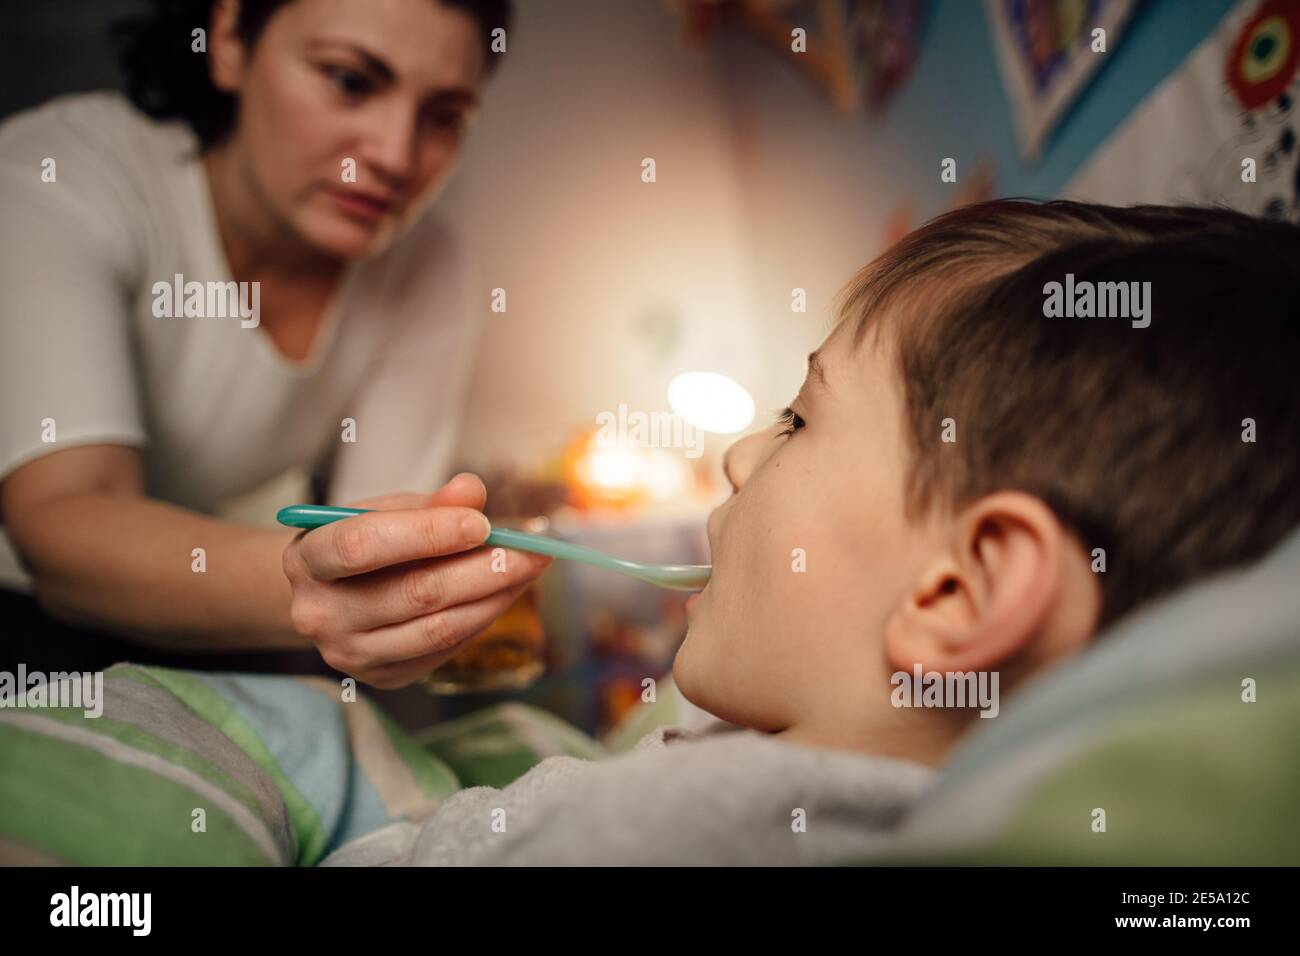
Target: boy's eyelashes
[[790, 419]]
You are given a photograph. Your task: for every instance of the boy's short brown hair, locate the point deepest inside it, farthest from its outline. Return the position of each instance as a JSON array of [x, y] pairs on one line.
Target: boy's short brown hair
[[1136, 437]]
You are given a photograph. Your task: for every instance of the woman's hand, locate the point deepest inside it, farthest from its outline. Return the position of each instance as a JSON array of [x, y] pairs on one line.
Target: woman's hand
[[388, 597]]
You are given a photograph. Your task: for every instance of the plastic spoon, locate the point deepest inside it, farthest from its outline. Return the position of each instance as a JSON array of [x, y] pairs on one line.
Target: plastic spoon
[[677, 577]]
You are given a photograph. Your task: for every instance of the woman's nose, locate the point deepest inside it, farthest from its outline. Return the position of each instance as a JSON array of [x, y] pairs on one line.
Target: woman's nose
[[391, 146], [740, 460]]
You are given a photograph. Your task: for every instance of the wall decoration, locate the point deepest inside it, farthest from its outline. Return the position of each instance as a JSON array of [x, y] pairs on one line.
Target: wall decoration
[[883, 36], [1045, 53], [858, 51], [1221, 129]]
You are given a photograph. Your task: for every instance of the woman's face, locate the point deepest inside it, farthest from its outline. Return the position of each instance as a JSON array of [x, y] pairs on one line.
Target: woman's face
[[350, 114]]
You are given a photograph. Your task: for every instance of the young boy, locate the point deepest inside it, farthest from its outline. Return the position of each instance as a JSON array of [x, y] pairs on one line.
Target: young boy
[[1029, 420], [965, 453]]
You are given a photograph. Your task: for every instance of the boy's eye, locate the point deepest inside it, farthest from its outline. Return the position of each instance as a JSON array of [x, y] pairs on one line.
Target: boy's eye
[[791, 420]]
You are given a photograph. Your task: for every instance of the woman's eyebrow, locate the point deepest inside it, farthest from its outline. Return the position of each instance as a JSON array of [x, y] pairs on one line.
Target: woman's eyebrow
[[374, 63]]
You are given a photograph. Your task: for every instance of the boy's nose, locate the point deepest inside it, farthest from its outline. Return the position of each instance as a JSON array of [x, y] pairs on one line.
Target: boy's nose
[[740, 460]]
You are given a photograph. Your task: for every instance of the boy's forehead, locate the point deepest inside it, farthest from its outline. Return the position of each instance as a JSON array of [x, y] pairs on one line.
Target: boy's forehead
[[846, 360], [852, 343]]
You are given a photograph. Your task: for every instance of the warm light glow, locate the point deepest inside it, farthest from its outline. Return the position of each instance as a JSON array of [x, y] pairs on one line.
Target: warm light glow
[[614, 468], [711, 401], [623, 475], [665, 475]]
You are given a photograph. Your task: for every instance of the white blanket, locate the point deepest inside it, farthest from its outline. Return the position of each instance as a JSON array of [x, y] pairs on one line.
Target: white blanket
[[722, 796]]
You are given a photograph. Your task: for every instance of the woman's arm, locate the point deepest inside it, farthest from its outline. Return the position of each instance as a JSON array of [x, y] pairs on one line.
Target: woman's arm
[[386, 597], [100, 552]]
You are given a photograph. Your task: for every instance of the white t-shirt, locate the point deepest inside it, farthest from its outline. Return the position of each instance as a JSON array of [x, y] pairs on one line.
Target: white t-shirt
[[213, 406]]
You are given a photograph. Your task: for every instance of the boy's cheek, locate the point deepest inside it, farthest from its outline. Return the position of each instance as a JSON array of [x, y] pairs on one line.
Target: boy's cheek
[[750, 653]]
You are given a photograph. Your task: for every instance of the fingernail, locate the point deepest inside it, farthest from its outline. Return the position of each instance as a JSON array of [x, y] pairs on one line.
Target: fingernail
[[475, 527], [468, 477]]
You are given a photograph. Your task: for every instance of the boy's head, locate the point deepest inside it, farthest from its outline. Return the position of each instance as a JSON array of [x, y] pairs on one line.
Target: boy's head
[[969, 451]]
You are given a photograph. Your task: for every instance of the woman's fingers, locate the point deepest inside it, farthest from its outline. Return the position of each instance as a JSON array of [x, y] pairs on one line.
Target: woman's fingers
[[416, 647], [398, 594], [402, 527], [379, 539], [367, 593]]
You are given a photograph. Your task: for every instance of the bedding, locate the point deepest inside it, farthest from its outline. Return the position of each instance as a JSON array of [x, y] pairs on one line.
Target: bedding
[[216, 769]]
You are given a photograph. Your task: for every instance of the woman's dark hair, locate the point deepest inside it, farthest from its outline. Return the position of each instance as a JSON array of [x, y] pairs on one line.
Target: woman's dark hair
[[166, 80]]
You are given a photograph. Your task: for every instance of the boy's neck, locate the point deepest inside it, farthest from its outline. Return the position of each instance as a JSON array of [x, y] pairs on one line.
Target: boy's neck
[[924, 742]]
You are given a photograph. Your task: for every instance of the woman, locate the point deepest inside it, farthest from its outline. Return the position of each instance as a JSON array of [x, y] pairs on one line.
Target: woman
[[293, 149]]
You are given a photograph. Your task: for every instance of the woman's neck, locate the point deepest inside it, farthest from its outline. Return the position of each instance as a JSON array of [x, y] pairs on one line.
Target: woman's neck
[[258, 245]]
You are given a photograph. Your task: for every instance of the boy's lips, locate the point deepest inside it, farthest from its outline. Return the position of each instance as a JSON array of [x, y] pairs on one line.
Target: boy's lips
[[710, 537]]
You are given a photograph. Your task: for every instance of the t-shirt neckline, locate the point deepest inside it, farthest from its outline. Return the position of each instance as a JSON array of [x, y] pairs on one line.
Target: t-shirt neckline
[[331, 316]]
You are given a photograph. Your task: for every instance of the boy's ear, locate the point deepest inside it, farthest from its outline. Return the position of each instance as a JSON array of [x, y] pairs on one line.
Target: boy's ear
[[988, 594]]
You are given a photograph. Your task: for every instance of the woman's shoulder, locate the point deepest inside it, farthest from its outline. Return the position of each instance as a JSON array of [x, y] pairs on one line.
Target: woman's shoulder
[[94, 163], [98, 117], [85, 138]]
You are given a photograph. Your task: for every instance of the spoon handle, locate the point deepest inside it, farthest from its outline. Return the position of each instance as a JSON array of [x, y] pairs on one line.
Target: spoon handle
[[676, 577], [313, 516]]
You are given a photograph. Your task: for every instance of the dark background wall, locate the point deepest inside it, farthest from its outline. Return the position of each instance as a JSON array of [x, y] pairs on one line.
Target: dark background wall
[[56, 46]]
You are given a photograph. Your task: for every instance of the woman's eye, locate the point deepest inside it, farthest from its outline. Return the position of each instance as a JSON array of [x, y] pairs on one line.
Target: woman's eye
[[791, 420], [349, 82], [452, 121]]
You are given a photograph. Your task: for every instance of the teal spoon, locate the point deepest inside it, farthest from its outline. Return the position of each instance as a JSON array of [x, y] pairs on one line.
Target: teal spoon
[[677, 577]]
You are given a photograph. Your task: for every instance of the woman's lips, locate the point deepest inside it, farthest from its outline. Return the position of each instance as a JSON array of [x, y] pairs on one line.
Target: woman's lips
[[692, 601], [361, 205]]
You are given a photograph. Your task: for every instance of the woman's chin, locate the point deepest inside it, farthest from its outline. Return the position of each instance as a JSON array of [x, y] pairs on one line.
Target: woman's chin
[[340, 237]]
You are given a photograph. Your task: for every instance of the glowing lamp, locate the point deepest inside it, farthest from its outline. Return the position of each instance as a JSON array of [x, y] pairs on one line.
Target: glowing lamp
[[711, 401]]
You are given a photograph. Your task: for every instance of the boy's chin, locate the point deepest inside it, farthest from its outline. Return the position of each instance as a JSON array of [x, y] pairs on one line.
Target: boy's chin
[[698, 678], [686, 673]]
